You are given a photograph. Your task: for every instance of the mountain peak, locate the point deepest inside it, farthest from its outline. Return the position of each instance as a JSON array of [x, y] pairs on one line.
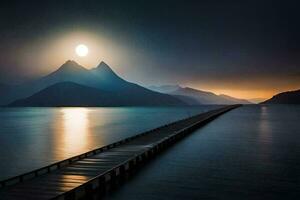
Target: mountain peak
[[71, 65], [103, 66], [70, 62]]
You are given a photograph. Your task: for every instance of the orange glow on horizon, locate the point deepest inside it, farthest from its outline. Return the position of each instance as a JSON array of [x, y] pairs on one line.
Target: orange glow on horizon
[[245, 94]]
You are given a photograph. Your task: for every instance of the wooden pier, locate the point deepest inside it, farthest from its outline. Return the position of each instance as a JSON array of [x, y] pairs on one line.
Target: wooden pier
[[81, 176]]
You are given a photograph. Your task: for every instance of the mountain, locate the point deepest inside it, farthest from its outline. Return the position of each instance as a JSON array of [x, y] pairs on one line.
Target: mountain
[[290, 97], [73, 94], [202, 97], [188, 100], [102, 78], [67, 94], [193, 96], [236, 100], [69, 71], [107, 76]]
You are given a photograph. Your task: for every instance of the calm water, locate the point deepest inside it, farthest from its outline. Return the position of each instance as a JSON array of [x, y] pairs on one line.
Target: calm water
[[252, 152], [34, 137]]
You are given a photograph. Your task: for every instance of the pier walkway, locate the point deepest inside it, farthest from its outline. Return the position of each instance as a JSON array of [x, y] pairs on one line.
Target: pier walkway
[[81, 176]]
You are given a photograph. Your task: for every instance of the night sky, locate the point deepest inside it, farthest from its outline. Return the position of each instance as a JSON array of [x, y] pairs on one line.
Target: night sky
[[246, 49]]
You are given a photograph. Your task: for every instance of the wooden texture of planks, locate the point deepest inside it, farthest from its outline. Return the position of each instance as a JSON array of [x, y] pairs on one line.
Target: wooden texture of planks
[[77, 179]]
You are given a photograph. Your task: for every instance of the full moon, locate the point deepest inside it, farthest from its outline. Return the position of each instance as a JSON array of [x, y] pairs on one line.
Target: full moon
[[82, 50]]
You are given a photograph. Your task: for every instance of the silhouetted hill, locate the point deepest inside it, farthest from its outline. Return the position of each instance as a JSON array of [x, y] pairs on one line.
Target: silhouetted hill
[[193, 96], [290, 97], [73, 94], [68, 94], [102, 77], [202, 97]]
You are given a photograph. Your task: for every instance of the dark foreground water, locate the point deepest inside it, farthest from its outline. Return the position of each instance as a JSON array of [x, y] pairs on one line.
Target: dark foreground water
[[31, 138], [252, 152]]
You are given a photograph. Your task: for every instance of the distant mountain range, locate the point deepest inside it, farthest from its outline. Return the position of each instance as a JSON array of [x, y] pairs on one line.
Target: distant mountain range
[[196, 97], [290, 97], [73, 85], [96, 87]]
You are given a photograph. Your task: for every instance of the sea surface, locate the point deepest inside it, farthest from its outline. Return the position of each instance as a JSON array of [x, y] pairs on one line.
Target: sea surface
[[31, 138], [252, 152]]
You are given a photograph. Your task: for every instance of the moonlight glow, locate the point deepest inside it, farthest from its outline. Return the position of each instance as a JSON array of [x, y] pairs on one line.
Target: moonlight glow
[[82, 50]]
